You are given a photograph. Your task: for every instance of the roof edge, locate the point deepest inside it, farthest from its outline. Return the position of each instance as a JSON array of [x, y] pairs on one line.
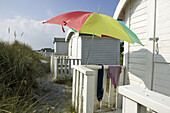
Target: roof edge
[[119, 8], [68, 35]]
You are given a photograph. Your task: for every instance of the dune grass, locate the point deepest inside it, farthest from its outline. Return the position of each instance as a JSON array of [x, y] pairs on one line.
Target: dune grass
[[19, 66]]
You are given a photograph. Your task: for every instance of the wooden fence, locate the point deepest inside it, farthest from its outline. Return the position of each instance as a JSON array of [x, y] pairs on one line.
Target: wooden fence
[[61, 66], [84, 90]]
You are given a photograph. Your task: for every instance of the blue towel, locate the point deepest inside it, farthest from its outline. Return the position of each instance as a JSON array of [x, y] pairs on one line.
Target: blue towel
[[100, 83]]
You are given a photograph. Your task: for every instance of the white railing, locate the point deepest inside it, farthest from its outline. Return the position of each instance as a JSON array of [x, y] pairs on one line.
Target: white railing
[[139, 100], [84, 90], [61, 66]]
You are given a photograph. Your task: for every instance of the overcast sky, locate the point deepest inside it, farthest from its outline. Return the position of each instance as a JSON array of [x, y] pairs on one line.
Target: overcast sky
[[27, 16]]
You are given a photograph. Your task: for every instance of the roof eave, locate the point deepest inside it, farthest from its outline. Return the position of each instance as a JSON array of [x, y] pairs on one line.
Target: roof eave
[[119, 10]]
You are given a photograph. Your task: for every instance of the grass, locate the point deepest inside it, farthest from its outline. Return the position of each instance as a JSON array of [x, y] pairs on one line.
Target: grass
[[19, 66], [67, 82]]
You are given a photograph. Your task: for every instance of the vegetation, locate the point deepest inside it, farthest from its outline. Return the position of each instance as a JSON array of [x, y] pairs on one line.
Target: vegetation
[[121, 52], [19, 66]]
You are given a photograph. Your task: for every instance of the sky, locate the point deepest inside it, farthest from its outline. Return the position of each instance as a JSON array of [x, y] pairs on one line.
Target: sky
[[26, 17]]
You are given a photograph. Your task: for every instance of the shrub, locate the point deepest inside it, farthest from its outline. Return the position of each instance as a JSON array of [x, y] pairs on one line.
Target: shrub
[[19, 66]]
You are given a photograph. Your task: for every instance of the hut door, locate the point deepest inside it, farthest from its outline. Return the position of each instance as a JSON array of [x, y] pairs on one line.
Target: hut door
[[161, 69]]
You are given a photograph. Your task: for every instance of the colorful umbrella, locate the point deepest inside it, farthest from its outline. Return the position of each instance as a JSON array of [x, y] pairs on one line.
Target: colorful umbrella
[[94, 23]]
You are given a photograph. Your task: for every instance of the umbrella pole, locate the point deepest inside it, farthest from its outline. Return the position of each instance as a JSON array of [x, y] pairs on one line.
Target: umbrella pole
[[87, 60]]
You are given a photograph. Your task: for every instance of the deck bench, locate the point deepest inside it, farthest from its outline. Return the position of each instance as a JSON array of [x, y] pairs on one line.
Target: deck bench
[[134, 97]]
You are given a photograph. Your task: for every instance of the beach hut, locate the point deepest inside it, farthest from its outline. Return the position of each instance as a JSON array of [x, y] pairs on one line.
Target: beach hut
[[104, 50], [147, 66], [60, 46]]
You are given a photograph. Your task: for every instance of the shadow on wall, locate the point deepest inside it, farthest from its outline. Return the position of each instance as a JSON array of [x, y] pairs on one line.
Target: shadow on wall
[[140, 71]]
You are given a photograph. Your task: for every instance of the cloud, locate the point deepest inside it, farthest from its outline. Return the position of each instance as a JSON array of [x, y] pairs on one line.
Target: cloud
[[36, 34], [49, 13]]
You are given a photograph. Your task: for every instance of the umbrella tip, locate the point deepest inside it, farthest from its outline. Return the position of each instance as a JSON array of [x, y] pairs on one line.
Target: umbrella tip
[[98, 9]]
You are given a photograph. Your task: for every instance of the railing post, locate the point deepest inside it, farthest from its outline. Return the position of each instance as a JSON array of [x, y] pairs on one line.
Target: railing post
[[129, 106], [121, 82], [95, 89], [61, 68], [75, 62], [111, 95], [77, 91], [55, 67], [80, 93], [65, 63], [79, 61], [69, 68], [52, 64], [88, 98], [74, 86]]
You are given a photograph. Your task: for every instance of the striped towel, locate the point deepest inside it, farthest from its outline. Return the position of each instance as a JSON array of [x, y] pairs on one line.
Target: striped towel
[[114, 73]]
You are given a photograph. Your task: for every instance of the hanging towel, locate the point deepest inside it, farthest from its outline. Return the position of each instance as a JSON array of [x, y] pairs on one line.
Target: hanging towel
[[100, 83], [114, 73]]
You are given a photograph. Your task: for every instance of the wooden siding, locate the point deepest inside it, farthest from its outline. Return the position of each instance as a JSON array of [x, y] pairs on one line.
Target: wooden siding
[[136, 19], [103, 51], [61, 48], [162, 60]]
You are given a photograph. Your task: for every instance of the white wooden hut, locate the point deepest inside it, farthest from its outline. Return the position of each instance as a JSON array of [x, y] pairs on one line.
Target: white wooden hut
[[104, 50], [60, 46], [147, 66]]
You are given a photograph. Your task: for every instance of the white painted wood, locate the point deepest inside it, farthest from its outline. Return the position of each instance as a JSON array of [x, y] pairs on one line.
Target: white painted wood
[[55, 67], [138, 59], [74, 86], [103, 102], [126, 44], [145, 97], [77, 90], [80, 62], [74, 47], [79, 52], [55, 47], [141, 18], [90, 70], [129, 106], [61, 69], [88, 98], [65, 65], [161, 61], [111, 95], [80, 108], [52, 63], [136, 56], [95, 88], [137, 67], [119, 8], [83, 69], [162, 78], [120, 83], [69, 72]]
